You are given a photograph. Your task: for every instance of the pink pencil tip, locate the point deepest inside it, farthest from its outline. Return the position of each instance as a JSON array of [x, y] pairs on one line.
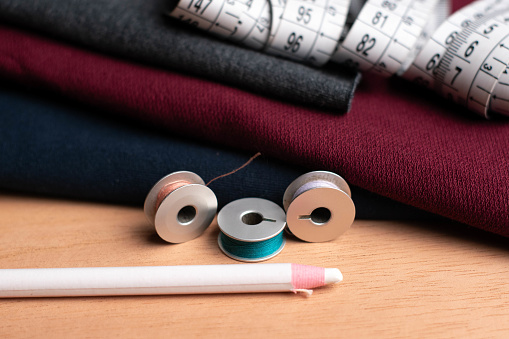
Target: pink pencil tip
[[306, 277]]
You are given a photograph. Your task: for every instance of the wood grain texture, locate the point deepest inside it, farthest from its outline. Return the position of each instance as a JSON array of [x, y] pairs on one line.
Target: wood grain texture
[[402, 280]]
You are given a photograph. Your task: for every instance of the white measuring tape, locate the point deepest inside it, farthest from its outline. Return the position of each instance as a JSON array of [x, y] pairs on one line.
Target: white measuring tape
[[464, 57], [305, 30], [244, 21]]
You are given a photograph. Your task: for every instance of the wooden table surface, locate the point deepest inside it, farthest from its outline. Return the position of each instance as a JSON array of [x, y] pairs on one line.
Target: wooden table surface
[[401, 279]]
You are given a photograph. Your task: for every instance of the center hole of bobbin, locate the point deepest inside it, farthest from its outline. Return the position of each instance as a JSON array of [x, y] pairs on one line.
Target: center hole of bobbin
[[320, 215], [186, 214], [252, 218]]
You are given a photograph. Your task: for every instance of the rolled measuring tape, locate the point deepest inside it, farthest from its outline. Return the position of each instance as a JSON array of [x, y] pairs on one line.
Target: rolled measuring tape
[[464, 58], [180, 206], [318, 206], [251, 229], [302, 30]]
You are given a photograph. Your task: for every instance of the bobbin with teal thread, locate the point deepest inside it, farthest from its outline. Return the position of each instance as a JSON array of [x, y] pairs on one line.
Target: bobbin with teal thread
[[251, 229]]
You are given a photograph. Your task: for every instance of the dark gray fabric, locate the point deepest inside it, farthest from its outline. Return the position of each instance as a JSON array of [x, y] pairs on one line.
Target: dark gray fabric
[[137, 29]]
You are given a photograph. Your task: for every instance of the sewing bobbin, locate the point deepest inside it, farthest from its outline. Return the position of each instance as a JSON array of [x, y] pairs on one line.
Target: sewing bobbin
[[180, 206], [318, 206], [251, 229]]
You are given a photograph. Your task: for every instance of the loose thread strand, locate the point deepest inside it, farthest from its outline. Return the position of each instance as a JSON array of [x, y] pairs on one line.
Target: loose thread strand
[[306, 292], [235, 170]]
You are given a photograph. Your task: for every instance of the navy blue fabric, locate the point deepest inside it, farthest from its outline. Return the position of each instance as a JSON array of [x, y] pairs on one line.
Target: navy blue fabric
[[61, 148]]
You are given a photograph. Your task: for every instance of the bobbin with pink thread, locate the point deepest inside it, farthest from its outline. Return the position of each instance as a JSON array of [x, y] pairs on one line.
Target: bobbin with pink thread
[[180, 206], [318, 206]]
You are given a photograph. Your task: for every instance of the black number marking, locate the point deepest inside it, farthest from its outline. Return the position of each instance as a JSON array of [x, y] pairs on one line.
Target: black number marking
[[304, 14], [377, 17], [408, 21], [432, 62], [293, 43], [458, 71], [490, 29], [389, 5], [188, 21], [471, 48], [478, 15], [204, 8], [198, 5], [451, 38], [366, 44], [487, 67], [466, 23]]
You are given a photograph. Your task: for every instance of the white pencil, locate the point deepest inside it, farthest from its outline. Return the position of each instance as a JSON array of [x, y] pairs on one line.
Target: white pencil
[[103, 281]]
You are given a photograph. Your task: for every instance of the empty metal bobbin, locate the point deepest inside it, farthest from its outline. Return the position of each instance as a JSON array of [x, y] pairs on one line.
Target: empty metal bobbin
[[318, 206], [180, 206], [251, 229]]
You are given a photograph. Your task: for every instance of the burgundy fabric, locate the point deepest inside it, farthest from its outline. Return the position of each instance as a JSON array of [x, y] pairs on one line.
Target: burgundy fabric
[[398, 140]]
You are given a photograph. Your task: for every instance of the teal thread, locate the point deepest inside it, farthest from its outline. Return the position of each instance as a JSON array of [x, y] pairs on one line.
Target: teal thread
[[251, 250]]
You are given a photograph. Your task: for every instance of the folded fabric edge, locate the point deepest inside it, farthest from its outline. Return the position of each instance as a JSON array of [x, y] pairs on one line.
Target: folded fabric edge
[[56, 147]]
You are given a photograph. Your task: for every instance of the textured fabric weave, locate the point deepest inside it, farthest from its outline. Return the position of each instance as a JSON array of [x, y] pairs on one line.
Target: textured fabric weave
[[137, 29], [398, 140], [53, 146]]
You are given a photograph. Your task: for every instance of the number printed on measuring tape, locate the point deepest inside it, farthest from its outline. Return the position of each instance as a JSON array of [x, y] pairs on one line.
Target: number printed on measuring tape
[[308, 30], [466, 58], [385, 34], [463, 57], [204, 14], [243, 21]]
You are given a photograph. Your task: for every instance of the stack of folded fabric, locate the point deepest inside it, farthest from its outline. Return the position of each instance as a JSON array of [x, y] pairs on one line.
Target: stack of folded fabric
[[112, 95]]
